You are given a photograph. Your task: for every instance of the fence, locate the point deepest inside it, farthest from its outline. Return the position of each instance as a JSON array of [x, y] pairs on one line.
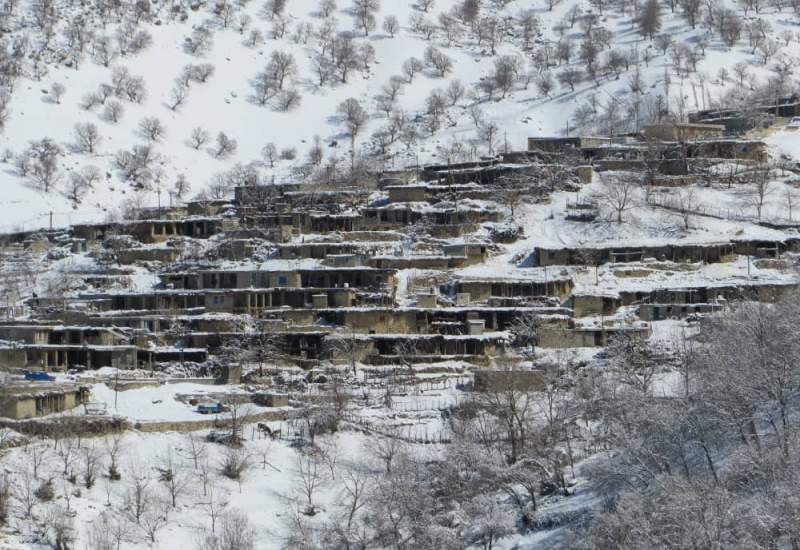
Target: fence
[[673, 203]]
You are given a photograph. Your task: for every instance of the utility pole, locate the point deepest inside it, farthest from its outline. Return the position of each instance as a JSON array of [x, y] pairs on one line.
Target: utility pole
[[51, 220]]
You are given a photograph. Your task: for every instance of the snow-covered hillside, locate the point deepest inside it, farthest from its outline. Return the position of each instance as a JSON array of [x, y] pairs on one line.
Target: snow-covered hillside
[[526, 68]]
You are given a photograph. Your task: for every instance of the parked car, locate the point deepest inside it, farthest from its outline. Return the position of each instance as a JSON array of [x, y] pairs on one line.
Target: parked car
[[39, 376], [212, 408]]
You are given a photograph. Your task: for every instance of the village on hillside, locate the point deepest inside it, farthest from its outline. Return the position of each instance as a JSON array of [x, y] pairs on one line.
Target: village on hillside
[[287, 311]]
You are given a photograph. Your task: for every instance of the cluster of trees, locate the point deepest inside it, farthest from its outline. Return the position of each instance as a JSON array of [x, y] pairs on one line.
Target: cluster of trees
[[139, 496], [713, 463], [274, 85]]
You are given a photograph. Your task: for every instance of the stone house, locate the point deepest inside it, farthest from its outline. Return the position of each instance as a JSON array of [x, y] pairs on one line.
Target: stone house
[[481, 290], [565, 144], [580, 337], [679, 131], [30, 400]]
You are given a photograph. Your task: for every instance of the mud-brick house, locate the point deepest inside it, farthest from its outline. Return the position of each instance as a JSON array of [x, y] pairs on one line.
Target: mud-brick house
[[429, 192], [735, 121], [679, 131], [29, 334], [156, 231], [329, 223], [480, 290], [705, 252], [407, 193], [163, 254], [238, 249], [152, 356], [422, 261], [230, 279], [352, 277], [391, 349], [254, 301], [152, 231], [566, 144], [30, 399], [95, 232], [211, 207], [51, 357], [711, 294], [315, 250], [787, 106], [162, 300], [257, 195], [60, 334], [658, 312], [736, 149], [420, 320], [472, 253], [376, 320], [322, 277], [587, 304], [553, 336]]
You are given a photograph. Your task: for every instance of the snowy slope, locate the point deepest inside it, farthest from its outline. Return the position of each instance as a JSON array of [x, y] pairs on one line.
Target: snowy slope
[[222, 104]]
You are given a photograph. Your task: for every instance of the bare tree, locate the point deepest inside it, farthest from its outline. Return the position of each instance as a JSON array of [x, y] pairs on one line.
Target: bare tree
[[198, 137], [24, 491], [137, 497], [57, 91], [76, 187], [153, 519], [152, 129], [687, 204], [274, 8], [288, 100], [234, 463], [87, 137], [114, 448], [391, 25], [386, 449], [60, 528], [175, 478], [44, 162], [411, 67], [440, 62], [178, 95], [525, 334], [270, 154], [455, 91], [66, 449], [760, 189], [326, 8], [113, 111], [354, 118], [650, 19], [506, 72], [281, 68], [364, 14], [570, 77], [617, 194], [226, 146], [233, 532], [308, 478]]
